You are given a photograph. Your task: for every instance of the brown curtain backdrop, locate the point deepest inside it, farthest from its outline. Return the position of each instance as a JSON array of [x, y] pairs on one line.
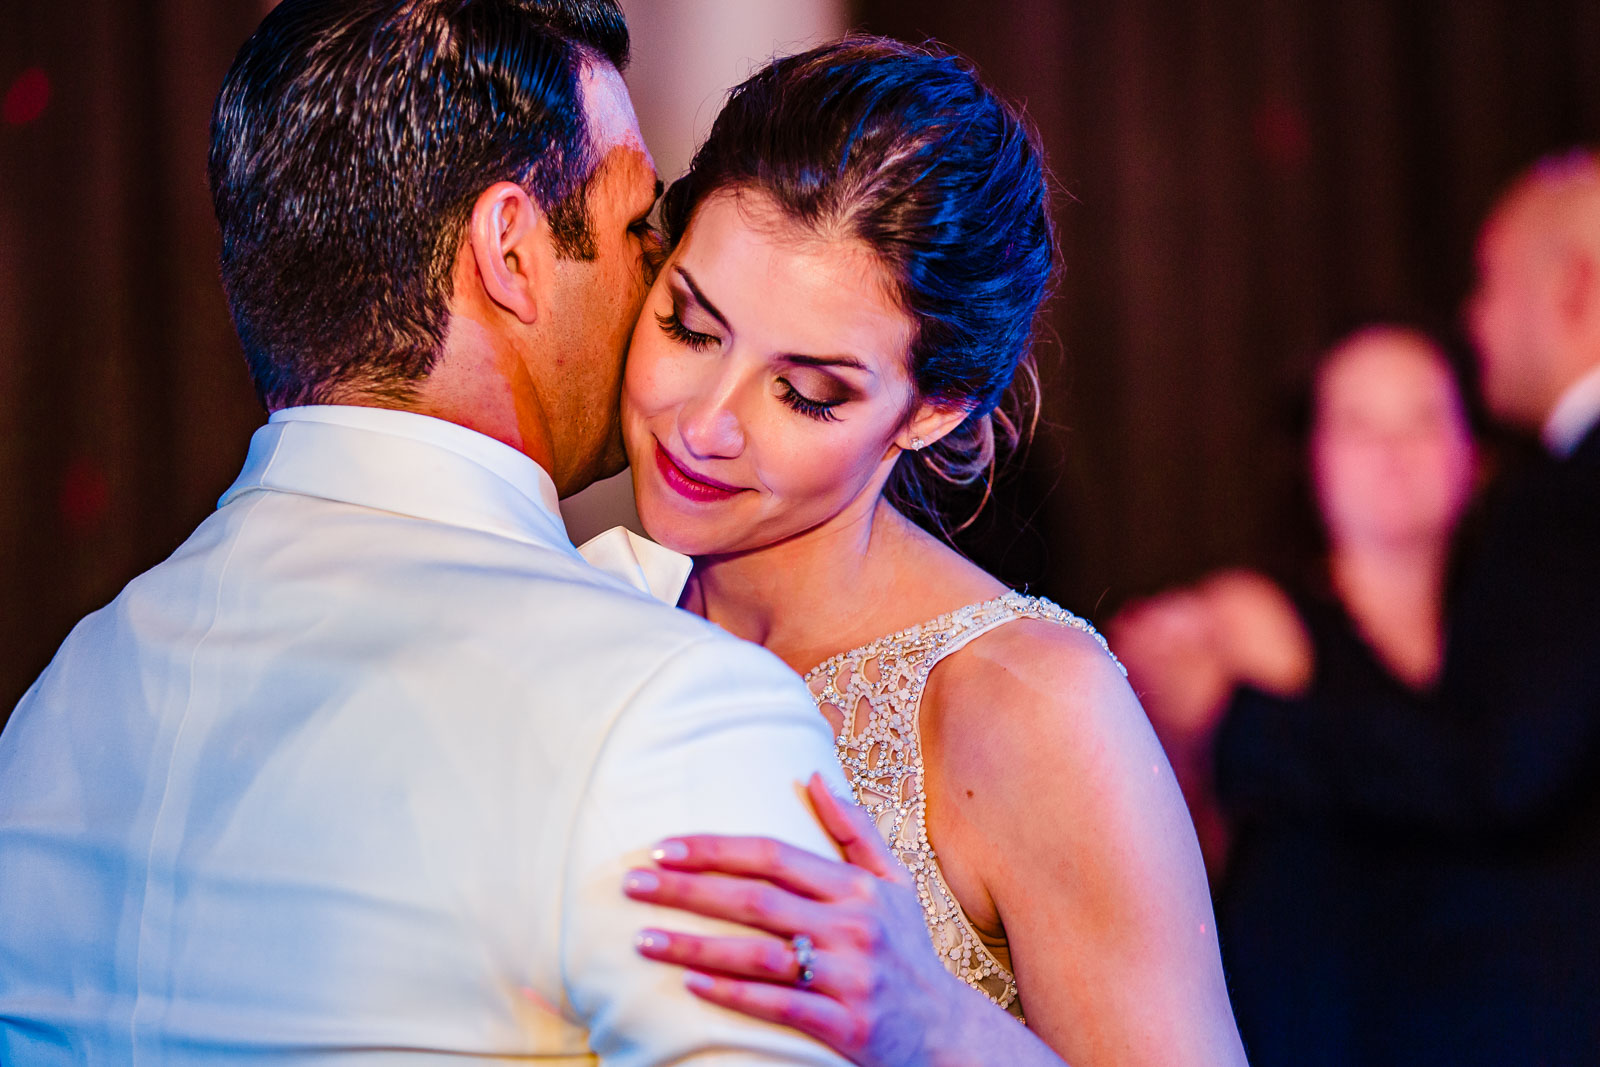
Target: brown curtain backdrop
[[124, 406], [1245, 178], [1242, 181]]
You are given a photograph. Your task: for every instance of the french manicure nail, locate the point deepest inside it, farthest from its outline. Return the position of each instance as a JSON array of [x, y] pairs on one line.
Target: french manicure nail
[[641, 882], [650, 939], [671, 851]]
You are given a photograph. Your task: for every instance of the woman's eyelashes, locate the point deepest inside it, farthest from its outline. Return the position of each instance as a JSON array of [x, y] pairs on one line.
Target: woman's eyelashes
[[821, 410], [672, 325]]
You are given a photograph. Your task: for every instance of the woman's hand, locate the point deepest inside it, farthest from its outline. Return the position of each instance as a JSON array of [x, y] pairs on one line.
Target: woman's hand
[[877, 993]]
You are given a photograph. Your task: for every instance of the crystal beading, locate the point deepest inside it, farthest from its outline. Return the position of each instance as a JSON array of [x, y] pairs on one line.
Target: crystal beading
[[876, 690]]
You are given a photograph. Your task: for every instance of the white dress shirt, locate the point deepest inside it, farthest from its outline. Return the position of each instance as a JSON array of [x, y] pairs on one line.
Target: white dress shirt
[[1574, 415], [356, 775]]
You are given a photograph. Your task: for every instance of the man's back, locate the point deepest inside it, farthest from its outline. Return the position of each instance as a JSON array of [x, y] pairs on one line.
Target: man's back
[[1524, 674], [360, 768]]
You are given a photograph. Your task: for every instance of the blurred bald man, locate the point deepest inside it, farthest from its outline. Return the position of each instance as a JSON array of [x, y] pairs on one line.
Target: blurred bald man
[[1523, 667], [1536, 311], [1494, 802]]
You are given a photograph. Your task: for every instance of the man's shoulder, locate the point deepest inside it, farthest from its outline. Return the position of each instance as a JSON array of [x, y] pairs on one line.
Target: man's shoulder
[[1546, 510], [403, 595]]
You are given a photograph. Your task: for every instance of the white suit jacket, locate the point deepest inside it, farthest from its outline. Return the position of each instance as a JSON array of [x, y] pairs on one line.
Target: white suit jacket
[[356, 775]]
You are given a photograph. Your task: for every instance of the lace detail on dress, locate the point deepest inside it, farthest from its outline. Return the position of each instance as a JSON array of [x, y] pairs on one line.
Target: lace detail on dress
[[876, 690]]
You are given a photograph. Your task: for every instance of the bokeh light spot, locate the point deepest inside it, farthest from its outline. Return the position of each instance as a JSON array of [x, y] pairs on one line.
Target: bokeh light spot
[[1283, 137], [27, 97], [85, 497]]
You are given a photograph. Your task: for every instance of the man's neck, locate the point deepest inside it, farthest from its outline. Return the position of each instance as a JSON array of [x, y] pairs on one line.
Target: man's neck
[[485, 394], [1574, 415]]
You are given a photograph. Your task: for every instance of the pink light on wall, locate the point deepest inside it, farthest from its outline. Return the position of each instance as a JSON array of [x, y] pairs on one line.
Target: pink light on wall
[[26, 98], [1283, 136], [84, 499]]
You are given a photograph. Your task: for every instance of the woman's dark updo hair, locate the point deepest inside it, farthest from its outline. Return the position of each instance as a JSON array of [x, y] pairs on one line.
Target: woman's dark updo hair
[[903, 149]]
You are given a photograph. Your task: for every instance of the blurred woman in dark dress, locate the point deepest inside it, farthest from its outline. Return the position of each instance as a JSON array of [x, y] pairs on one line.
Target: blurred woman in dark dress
[[1312, 917]]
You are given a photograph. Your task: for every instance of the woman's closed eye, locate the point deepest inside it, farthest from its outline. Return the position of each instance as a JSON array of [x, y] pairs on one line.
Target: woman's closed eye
[[821, 410], [673, 327]]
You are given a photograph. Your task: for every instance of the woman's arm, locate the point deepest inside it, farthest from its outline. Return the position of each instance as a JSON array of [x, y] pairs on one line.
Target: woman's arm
[[1049, 792], [878, 994]]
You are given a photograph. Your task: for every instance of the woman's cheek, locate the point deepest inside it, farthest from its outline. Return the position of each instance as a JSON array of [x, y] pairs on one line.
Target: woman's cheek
[[827, 464], [648, 379]]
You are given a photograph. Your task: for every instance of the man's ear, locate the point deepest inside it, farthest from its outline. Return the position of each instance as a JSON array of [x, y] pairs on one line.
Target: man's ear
[[929, 423], [513, 249]]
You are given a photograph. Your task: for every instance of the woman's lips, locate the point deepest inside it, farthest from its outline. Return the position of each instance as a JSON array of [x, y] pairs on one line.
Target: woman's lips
[[690, 486]]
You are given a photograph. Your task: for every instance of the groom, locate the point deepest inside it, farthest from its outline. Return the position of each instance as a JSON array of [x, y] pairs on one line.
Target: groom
[[358, 770]]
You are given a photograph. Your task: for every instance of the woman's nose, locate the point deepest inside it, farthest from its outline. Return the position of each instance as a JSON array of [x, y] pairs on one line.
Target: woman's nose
[[709, 422]]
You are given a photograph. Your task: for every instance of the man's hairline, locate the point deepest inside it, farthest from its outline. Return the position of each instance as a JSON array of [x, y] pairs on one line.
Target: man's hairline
[[599, 158]]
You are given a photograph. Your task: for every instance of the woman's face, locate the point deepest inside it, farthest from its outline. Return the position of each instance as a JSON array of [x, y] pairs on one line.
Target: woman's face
[[767, 389], [1392, 455]]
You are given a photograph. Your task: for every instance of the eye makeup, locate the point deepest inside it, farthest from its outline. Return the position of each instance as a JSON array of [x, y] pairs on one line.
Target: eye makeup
[[821, 410], [672, 325]]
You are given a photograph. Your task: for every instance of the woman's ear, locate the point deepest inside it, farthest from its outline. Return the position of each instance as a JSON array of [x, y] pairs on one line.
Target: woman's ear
[[930, 422], [514, 251]]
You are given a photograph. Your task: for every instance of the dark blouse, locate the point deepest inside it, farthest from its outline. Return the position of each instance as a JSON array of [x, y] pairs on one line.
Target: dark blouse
[[1310, 908], [1418, 883]]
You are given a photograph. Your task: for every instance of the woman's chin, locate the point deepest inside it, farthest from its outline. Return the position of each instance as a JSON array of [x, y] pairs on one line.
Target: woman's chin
[[668, 531], [689, 538]]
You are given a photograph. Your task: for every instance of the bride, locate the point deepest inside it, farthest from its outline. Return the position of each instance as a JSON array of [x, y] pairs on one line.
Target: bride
[[857, 258]]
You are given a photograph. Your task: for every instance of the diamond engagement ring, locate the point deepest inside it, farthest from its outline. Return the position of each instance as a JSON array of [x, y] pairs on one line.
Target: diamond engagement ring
[[805, 954]]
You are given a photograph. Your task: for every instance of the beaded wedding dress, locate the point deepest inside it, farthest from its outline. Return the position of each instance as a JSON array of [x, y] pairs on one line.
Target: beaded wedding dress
[[876, 691]]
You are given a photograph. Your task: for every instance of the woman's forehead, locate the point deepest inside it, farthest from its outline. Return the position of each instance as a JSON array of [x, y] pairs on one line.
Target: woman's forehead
[[1382, 373]]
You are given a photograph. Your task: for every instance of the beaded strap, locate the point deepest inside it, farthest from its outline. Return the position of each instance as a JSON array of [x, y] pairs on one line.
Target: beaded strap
[[876, 690]]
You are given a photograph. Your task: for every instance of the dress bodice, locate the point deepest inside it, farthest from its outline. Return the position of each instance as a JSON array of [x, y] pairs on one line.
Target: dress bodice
[[876, 691]]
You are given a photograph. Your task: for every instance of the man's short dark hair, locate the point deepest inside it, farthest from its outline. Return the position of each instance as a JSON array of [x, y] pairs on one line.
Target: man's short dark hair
[[348, 145]]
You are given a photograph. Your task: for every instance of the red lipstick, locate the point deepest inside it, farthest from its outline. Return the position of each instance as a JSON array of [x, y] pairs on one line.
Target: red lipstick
[[695, 487]]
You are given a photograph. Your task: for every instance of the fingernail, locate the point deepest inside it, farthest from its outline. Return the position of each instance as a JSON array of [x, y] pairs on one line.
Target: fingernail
[[650, 939], [671, 851], [641, 882], [700, 983]]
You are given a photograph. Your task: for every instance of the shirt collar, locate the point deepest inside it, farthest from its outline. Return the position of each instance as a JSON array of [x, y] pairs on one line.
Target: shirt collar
[[406, 463], [418, 465], [640, 562], [1574, 415], [526, 476]]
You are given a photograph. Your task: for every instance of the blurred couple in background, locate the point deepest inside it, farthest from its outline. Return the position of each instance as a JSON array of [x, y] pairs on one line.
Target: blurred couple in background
[[1394, 761]]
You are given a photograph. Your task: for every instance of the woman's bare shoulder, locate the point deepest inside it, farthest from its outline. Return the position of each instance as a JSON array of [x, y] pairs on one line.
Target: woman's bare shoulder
[[1031, 657], [1034, 690], [1064, 804]]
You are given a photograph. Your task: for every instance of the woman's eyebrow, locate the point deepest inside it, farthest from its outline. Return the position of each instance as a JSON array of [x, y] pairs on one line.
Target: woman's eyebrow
[[700, 297], [850, 362]]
